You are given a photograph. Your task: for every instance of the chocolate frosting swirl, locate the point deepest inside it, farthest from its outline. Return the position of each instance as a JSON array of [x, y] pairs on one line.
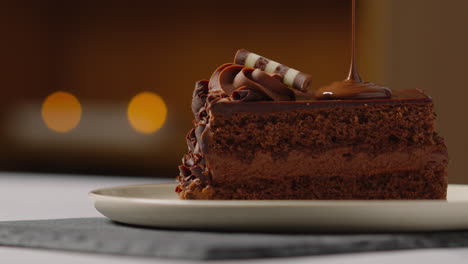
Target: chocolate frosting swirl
[[350, 89], [249, 84]]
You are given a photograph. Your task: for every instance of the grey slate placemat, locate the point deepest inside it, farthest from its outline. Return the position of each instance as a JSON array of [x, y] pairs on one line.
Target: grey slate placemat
[[99, 235]]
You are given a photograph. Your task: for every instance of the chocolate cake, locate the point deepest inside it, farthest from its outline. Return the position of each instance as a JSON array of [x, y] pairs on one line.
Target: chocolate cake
[[252, 138], [252, 141]]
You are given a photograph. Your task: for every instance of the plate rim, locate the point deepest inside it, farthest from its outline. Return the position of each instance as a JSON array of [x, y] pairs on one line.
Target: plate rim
[[97, 194]]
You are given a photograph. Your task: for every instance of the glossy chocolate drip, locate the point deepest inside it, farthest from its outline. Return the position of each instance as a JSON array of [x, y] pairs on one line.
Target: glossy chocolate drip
[[400, 97], [353, 72], [353, 88]]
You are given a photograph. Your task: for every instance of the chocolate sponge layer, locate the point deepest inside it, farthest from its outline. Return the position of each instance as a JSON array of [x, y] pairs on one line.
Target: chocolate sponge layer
[[379, 128], [427, 183]]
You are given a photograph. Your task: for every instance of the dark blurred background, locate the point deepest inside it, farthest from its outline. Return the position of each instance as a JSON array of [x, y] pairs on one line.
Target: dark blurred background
[[104, 87]]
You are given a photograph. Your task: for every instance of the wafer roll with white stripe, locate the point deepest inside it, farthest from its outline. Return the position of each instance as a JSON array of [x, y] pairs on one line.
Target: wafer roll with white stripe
[[291, 77]]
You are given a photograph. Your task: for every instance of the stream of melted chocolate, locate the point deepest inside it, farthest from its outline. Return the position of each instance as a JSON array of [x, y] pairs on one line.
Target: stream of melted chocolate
[[353, 88]]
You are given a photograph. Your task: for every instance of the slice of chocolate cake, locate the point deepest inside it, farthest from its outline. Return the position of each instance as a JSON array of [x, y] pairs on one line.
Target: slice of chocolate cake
[[253, 140]]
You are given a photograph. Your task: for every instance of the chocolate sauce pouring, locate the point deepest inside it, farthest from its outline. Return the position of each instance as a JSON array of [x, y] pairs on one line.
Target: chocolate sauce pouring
[[353, 88]]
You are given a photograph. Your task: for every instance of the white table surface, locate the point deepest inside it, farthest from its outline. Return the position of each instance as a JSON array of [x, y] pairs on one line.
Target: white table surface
[[46, 196]]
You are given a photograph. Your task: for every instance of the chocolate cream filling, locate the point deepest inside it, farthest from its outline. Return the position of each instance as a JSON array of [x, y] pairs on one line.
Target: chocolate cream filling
[[342, 162]]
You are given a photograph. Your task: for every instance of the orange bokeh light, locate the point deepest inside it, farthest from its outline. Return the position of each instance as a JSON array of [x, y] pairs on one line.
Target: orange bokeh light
[[147, 112], [61, 111]]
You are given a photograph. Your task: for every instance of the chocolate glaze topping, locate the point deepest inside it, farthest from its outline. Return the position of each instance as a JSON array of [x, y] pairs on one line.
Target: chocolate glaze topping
[[399, 97], [354, 90], [353, 87]]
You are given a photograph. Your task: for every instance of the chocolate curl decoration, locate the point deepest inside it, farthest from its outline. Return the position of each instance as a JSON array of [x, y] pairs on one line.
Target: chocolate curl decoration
[[264, 83], [290, 77], [262, 86], [200, 173]]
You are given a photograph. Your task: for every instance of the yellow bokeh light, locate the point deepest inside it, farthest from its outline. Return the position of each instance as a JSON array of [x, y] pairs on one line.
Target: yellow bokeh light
[[61, 111], [147, 112]]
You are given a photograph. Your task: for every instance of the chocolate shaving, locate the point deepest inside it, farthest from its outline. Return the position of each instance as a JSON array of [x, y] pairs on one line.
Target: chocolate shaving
[[198, 101], [199, 95], [190, 178], [184, 171], [198, 133], [206, 177], [196, 170], [187, 160], [197, 158], [191, 140], [201, 87], [201, 115]]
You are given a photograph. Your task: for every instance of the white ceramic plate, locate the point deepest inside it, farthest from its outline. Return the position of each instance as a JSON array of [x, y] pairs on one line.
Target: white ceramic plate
[[157, 205]]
